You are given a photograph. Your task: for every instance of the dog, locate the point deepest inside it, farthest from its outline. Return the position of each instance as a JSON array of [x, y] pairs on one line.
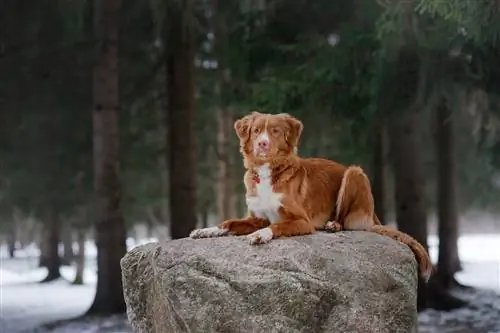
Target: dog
[[287, 195]]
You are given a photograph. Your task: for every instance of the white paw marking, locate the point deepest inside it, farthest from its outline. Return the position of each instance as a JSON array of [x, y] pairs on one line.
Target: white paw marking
[[333, 226], [266, 203], [330, 224], [208, 232], [261, 236]]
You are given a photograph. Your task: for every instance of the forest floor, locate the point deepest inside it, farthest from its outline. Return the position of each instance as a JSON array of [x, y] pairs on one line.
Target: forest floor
[[26, 306]]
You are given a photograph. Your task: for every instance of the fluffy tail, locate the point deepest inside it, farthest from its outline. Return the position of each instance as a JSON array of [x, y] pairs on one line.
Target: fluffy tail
[[423, 259], [355, 211]]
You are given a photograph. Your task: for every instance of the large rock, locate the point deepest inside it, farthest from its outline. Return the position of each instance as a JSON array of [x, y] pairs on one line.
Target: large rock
[[344, 282]]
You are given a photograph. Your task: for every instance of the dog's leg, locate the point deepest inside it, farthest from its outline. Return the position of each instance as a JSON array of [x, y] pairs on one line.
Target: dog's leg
[[293, 222], [231, 227], [245, 226]]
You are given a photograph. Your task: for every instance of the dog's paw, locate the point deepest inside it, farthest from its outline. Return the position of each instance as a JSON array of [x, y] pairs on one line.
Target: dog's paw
[[261, 236], [208, 232], [333, 226]]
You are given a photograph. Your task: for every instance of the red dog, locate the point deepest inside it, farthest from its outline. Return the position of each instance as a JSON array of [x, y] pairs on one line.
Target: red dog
[[287, 195]]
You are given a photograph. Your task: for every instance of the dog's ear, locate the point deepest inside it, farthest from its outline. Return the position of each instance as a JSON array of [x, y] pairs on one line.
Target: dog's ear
[[296, 127], [242, 126]]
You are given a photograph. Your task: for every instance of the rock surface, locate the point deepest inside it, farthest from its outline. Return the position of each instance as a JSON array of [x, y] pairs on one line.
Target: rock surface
[[345, 282]]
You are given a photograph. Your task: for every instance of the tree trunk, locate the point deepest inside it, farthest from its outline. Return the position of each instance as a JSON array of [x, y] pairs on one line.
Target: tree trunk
[[68, 245], [80, 257], [226, 205], [150, 226], [411, 215], [448, 260], [204, 217], [43, 244], [181, 114], [12, 248], [380, 171], [11, 242], [110, 233], [163, 166], [53, 261], [410, 202], [162, 161]]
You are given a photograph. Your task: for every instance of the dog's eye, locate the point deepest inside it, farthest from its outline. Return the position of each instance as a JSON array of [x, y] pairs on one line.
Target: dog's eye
[[275, 130], [255, 130]]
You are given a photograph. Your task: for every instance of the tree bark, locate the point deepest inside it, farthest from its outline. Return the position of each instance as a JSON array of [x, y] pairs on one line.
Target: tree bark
[[380, 171], [406, 148], [43, 244], [226, 199], [181, 118], [226, 205], [411, 215], [110, 230], [11, 241], [448, 260], [53, 261], [11, 245], [80, 257], [162, 162], [204, 217], [68, 245]]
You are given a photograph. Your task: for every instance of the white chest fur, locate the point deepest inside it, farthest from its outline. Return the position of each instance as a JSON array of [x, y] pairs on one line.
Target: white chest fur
[[266, 203]]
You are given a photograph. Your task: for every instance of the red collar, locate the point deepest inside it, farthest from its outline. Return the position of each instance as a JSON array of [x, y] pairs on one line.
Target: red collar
[[256, 180]]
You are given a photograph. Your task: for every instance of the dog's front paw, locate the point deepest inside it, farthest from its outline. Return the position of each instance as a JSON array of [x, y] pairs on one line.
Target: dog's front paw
[[208, 232], [333, 226], [261, 236]]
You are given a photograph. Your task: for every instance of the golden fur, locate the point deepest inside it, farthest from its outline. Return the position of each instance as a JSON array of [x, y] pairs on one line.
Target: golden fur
[[308, 194]]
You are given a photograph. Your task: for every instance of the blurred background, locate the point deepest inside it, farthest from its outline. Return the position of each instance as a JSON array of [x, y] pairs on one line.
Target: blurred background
[[117, 129]]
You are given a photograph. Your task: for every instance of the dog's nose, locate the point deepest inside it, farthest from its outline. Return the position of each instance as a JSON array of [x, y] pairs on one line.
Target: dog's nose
[[264, 144]]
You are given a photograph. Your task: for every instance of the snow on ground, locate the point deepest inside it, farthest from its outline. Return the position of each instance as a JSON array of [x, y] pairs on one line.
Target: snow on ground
[[25, 304], [480, 256]]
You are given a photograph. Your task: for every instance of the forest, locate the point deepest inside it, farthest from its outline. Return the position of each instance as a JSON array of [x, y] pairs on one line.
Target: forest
[[118, 115]]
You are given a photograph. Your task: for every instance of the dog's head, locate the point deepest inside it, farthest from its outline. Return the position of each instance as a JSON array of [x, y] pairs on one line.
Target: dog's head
[[267, 136]]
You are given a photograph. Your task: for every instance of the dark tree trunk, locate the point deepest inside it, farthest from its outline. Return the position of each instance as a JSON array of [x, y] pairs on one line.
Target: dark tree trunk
[[226, 205], [226, 199], [406, 150], [408, 165], [150, 226], [53, 261], [12, 248], [379, 171], [68, 246], [80, 257], [11, 242], [204, 217], [448, 260], [181, 114], [43, 244], [110, 230]]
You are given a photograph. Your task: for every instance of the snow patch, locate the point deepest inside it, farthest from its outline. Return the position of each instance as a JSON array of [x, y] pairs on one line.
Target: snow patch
[[473, 248]]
